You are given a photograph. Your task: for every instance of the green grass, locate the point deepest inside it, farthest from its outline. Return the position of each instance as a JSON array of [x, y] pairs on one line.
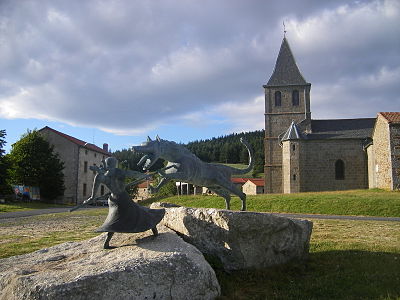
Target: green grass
[[356, 202], [20, 206], [240, 166], [348, 260]]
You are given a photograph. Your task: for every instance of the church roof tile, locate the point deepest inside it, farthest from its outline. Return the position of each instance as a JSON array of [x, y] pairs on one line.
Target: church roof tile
[[341, 129], [286, 71]]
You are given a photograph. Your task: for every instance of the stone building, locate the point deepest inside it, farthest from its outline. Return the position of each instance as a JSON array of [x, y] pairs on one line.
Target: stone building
[[253, 186], [77, 156], [302, 154], [384, 152]]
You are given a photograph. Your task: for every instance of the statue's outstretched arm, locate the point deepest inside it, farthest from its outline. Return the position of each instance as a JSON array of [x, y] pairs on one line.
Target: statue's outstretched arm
[[98, 179]]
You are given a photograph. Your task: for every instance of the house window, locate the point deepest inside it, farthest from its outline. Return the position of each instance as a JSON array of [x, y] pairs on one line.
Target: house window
[[102, 190], [295, 98], [84, 189], [278, 98], [339, 169], [294, 147], [85, 166], [95, 155], [294, 177]]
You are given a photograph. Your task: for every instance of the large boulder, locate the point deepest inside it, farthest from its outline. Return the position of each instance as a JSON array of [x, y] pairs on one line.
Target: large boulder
[[240, 239], [141, 267]]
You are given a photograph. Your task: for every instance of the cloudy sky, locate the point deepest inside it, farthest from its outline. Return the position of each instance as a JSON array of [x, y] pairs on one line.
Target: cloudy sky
[[117, 71]]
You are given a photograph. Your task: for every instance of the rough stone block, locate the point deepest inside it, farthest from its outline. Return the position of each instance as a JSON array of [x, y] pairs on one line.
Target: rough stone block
[[141, 267], [240, 239]]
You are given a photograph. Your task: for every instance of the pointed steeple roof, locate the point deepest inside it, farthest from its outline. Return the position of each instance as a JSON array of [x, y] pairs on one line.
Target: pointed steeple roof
[[293, 133], [286, 71]]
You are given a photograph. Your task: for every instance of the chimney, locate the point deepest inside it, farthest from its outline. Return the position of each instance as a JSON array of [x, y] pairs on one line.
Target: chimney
[[105, 147]]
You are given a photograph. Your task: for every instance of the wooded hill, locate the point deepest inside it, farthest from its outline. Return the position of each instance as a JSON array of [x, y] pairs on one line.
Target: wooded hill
[[224, 149], [229, 149]]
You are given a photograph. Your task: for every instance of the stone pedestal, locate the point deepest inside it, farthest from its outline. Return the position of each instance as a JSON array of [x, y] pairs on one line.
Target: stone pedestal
[[240, 239], [141, 267]]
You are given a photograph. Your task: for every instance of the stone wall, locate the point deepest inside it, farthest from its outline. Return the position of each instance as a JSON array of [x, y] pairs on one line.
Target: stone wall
[[277, 121], [380, 159], [395, 154], [85, 175], [69, 153], [317, 160], [291, 167], [74, 158]]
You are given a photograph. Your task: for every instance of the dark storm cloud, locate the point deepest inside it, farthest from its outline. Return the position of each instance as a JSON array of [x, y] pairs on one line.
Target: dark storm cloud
[[129, 66]]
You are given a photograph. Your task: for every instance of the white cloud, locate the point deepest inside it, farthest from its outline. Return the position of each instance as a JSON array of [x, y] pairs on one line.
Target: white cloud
[[129, 67]]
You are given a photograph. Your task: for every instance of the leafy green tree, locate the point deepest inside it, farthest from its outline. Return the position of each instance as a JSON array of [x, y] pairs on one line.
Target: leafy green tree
[[34, 163], [4, 187]]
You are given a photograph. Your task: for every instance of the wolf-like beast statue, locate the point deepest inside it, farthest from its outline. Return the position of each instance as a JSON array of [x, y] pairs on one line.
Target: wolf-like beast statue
[[186, 167]]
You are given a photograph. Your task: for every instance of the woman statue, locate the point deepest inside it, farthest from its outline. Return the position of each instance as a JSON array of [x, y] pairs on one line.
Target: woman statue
[[124, 215]]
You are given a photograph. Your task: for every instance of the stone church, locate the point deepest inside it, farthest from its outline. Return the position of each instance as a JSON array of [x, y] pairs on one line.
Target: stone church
[[303, 154]]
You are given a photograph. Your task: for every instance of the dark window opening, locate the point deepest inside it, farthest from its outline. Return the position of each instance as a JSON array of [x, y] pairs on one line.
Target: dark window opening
[[84, 189], [294, 147], [95, 155], [294, 177], [339, 170], [102, 190], [278, 98], [85, 164], [295, 98]]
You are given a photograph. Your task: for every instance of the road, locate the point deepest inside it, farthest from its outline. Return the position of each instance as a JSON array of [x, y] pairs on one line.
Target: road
[[35, 212]]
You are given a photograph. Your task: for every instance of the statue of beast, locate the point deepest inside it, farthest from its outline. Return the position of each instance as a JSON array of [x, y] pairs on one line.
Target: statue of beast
[[186, 167]]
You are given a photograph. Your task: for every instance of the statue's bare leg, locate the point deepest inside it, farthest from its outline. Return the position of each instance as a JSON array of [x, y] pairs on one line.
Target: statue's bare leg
[[107, 241]]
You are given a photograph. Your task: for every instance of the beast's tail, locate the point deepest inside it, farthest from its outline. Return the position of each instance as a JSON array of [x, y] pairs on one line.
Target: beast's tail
[[251, 160]]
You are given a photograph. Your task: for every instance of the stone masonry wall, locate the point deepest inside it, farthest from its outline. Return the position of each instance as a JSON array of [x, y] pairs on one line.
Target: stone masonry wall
[[317, 165], [68, 153], [277, 121], [86, 177], [291, 167], [395, 154], [381, 148]]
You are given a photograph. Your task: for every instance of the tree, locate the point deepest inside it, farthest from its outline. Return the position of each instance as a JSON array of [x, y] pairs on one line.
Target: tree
[[4, 187], [34, 163]]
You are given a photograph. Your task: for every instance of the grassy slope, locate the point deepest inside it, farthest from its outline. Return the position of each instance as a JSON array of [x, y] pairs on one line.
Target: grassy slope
[[356, 202]]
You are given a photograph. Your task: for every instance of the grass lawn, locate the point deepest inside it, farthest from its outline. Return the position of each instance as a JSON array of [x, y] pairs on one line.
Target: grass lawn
[[348, 259], [19, 206], [356, 202]]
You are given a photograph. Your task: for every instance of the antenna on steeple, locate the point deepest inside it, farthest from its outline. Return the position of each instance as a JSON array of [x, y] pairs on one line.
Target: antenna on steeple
[[284, 29]]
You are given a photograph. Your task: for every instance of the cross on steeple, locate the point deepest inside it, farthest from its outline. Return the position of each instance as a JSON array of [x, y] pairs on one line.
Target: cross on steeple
[[284, 29]]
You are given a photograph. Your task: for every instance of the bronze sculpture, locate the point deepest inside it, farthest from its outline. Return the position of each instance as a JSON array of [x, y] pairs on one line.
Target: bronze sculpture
[[124, 215], [187, 167]]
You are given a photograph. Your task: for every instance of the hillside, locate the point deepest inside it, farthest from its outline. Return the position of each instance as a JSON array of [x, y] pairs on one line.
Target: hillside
[[225, 149], [229, 149]]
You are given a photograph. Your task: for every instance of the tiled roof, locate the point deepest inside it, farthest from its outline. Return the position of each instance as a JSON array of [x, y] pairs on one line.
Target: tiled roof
[[77, 141], [257, 181], [286, 71], [293, 133], [391, 117], [341, 129], [144, 184], [239, 180]]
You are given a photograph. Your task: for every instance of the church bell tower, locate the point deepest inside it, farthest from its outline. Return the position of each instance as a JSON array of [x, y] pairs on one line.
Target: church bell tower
[[287, 99]]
